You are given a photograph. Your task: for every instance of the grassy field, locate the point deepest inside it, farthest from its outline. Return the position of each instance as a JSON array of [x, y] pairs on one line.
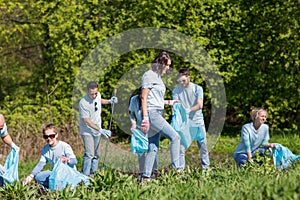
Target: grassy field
[[222, 181]]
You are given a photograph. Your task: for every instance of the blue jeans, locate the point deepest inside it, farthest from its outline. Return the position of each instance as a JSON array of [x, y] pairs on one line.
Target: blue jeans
[[91, 154], [141, 159], [43, 178], [203, 151], [242, 158], [1, 182], [168, 131]]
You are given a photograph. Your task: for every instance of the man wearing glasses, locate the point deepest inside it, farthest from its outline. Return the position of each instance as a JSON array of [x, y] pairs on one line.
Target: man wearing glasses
[[90, 127], [191, 97], [53, 151]]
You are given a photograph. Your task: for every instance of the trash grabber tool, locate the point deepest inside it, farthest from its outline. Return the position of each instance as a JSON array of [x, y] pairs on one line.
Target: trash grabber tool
[[107, 138]]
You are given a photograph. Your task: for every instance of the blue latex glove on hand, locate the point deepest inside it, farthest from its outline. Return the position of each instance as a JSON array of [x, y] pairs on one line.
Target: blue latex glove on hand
[[106, 133], [15, 147], [114, 100]]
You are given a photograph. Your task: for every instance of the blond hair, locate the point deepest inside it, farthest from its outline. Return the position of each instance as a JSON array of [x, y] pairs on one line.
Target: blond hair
[[254, 113]]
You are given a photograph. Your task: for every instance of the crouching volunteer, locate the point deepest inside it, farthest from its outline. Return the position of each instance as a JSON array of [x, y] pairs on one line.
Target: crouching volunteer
[[254, 137], [51, 152]]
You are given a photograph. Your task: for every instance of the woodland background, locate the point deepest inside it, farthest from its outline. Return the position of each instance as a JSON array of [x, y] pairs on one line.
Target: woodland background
[[254, 44]]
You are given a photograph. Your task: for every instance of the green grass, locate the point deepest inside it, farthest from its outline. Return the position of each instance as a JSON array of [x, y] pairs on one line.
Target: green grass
[[222, 181]]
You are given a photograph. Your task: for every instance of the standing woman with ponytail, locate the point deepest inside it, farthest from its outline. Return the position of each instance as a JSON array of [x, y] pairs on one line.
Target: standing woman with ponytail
[[254, 137], [153, 123]]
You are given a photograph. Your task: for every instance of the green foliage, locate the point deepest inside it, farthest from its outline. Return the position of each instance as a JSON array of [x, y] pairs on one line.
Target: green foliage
[[43, 45], [222, 181]]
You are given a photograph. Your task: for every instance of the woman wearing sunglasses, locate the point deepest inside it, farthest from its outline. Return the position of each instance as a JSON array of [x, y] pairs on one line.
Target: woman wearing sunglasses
[[153, 123], [53, 151]]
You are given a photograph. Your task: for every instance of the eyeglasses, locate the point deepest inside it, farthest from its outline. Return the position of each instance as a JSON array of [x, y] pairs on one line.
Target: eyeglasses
[[51, 136], [181, 80], [96, 106]]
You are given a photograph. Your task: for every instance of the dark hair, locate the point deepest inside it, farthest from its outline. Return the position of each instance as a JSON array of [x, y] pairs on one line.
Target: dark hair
[[139, 93], [92, 85], [184, 72], [160, 61], [50, 126]]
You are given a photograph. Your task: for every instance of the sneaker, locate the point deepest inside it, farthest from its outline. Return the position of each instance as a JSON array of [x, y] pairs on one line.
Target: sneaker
[[146, 180]]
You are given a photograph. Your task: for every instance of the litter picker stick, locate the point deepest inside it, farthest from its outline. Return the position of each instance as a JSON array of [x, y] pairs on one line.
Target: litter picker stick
[[107, 138]]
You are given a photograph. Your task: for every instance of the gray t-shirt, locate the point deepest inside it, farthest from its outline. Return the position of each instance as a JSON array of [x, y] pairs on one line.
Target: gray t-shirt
[[188, 97], [53, 154], [152, 81], [90, 108]]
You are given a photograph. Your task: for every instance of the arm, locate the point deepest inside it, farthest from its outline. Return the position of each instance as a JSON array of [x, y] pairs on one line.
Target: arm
[[170, 102], [7, 139], [245, 136], [144, 99], [70, 156], [198, 106], [88, 122], [105, 101], [199, 95], [265, 143], [112, 100], [269, 145], [38, 168], [34, 172], [132, 120]]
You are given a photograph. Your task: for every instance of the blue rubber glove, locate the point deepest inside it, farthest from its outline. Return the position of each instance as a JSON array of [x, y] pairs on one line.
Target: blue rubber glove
[[106, 133], [14, 147], [114, 100]]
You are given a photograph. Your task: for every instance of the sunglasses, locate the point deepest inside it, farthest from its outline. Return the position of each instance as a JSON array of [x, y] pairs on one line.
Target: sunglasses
[[96, 106], [181, 80], [51, 136]]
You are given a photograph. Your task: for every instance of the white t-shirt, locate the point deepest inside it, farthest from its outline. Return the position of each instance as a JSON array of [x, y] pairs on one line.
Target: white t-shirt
[[188, 98], [152, 81], [90, 108], [53, 154]]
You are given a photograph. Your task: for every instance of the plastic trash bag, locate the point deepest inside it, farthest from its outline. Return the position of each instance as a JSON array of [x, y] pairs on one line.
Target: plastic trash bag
[[182, 126], [9, 172], [63, 175], [139, 142], [196, 133], [283, 157]]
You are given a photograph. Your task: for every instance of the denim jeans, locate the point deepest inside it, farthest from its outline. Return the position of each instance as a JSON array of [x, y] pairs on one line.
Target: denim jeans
[[43, 178], [141, 159], [242, 158], [91, 153], [1, 182], [202, 148], [168, 131]]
